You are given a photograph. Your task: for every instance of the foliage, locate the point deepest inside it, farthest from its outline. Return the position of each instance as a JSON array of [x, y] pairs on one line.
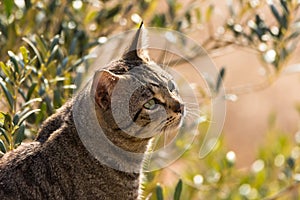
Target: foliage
[[44, 52], [273, 175]]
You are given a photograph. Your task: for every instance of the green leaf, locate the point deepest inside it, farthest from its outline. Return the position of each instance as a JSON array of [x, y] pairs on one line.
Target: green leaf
[[20, 135], [285, 6], [220, 79], [8, 5], [2, 117], [28, 4], [3, 132], [26, 115], [113, 11], [53, 53], [30, 91], [16, 119], [79, 61], [32, 101], [34, 48], [7, 122], [294, 35], [188, 17], [178, 190], [14, 59], [291, 163], [73, 45], [159, 192], [41, 44], [198, 15], [43, 113], [276, 14], [5, 69], [57, 98], [284, 22], [55, 42], [24, 53], [2, 147], [171, 4], [90, 16], [159, 20], [71, 87], [209, 12], [7, 93]]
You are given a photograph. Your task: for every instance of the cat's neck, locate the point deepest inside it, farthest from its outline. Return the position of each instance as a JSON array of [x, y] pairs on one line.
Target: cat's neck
[[111, 147], [119, 137]]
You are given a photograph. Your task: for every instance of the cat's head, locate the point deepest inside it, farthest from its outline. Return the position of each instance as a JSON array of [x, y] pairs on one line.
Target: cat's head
[[137, 96]]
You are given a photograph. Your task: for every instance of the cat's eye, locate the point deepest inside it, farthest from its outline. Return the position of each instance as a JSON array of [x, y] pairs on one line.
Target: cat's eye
[[171, 86], [150, 105]]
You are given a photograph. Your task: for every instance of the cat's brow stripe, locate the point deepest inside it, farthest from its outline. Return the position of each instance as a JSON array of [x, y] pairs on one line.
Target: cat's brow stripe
[[137, 114]]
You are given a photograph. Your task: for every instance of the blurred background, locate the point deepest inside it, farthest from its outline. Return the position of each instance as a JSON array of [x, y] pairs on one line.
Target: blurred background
[[45, 53]]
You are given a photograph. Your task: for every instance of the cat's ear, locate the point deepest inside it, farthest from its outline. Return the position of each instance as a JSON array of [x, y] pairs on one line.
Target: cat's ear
[[104, 82], [132, 51]]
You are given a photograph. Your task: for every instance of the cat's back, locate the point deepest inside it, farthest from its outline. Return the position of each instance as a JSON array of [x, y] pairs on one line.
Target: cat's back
[[17, 170]]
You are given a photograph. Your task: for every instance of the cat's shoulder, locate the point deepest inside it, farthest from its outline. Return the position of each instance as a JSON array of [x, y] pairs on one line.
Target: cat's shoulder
[[55, 122]]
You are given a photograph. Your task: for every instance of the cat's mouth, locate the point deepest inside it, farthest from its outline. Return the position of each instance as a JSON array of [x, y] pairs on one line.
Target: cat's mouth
[[173, 123]]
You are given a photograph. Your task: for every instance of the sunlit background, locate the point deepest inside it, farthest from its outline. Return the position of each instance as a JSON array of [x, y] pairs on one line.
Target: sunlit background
[[45, 55]]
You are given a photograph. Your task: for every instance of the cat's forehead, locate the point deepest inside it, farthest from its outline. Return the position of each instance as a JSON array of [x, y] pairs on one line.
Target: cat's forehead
[[150, 73]]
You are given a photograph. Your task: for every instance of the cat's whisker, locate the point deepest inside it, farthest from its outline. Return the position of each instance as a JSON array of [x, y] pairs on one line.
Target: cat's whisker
[[189, 103], [165, 138], [170, 59], [199, 97], [155, 142], [193, 115], [189, 110], [175, 63], [165, 55], [201, 119]]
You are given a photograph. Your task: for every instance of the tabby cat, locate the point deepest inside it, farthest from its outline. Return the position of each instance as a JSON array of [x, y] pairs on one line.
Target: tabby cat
[[67, 160]]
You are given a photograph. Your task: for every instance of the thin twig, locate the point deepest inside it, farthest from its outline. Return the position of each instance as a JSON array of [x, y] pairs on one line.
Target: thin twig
[[284, 191]]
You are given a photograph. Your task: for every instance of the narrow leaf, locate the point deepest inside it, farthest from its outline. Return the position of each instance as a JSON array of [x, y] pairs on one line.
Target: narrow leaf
[[2, 147], [198, 15], [8, 5], [178, 190], [16, 119], [159, 192], [14, 59], [3, 132], [24, 53], [220, 79], [20, 135], [30, 91], [53, 54], [285, 6], [209, 12], [2, 117], [73, 45], [36, 51], [28, 4], [32, 101], [25, 116], [5, 69], [42, 46], [55, 42], [7, 123], [276, 14], [21, 92], [7, 93]]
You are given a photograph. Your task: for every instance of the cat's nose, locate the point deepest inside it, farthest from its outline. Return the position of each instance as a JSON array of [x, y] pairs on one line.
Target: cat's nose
[[178, 107]]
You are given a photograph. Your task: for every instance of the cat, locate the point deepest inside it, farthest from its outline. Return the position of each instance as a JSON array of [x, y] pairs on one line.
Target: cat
[[62, 163]]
